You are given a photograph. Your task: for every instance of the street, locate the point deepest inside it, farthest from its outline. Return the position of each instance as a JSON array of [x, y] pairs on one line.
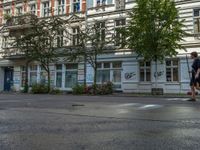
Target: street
[[67, 122]]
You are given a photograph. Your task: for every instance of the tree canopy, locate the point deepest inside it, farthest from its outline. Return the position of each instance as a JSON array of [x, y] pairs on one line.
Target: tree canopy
[[155, 29]]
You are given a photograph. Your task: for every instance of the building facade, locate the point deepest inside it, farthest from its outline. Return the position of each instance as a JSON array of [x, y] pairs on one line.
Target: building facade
[[121, 66]]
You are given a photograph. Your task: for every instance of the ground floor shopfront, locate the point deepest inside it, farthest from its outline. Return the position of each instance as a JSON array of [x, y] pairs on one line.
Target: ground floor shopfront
[[127, 73]]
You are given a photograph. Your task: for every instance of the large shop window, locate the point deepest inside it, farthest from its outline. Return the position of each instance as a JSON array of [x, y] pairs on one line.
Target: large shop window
[[33, 75], [172, 72], [71, 75], [145, 71], [109, 71], [196, 20], [43, 75], [61, 7], [59, 76]]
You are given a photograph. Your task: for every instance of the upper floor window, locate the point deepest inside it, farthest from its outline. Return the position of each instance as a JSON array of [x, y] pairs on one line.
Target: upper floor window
[[45, 9], [32, 9], [76, 5], [119, 4], [7, 11], [100, 30], [75, 36], [196, 20], [172, 70], [18, 10], [145, 71], [90, 3], [61, 7], [60, 39], [101, 2], [5, 42], [119, 36]]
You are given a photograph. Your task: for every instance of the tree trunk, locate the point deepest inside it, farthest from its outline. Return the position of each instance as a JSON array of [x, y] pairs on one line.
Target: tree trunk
[[95, 74], [49, 80], [85, 68], [26, 86], [156, 73]]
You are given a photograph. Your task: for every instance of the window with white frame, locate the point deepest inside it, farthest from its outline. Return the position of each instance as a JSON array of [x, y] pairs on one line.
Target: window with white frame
[[59, 75], [45, 9], [109, 71], [145, 71], [119, 4], [32, 8], [19, 10], [90, 3], [75, 36], [23, 76], [71, 75], [76, 5], [197, 20], [7, 12], [5, 42], [60, 38], [61, 7], [33, 75], [172, 71], [43, 75], [100, 2], [120, 37], [100, 30]]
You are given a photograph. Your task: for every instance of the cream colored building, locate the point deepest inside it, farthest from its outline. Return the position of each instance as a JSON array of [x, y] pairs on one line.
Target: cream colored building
[[121, 66]]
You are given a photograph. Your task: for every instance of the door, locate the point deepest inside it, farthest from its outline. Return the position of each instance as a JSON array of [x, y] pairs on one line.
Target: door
[[8, 78]]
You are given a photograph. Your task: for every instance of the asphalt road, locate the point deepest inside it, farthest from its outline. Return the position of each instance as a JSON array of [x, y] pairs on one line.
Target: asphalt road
[[66, 122]]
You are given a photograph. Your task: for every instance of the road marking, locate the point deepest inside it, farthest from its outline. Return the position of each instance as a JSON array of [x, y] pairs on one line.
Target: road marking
[[150, 106], [177, 99]]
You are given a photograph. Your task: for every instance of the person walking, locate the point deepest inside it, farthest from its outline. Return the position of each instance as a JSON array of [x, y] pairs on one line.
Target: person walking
[[195, 79]]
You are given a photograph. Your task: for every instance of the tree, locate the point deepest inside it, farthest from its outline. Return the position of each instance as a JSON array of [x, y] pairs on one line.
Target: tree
[[21, 40], [47, 38], [92, 43], [155, 30], [41, 42]]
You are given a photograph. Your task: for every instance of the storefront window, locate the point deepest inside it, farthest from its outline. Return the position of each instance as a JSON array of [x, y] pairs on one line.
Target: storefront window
[[71, 75], [59, 76], [33, 75]]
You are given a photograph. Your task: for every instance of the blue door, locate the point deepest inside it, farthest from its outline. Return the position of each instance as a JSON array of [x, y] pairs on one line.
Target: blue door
[[8, 78]]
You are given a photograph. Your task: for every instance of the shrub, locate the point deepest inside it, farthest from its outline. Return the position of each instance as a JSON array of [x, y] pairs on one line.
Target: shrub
[[78, 89], [39, 89], [55, 91], [102, 89]]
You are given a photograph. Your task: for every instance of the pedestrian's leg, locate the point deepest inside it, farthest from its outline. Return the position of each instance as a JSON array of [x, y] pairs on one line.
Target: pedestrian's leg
[[193, 94]]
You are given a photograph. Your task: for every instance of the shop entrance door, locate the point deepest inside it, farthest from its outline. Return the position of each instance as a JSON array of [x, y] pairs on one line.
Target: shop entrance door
[[8, 78]]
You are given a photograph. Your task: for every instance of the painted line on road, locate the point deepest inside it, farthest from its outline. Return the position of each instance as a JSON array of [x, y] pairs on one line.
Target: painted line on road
[[177, 99]]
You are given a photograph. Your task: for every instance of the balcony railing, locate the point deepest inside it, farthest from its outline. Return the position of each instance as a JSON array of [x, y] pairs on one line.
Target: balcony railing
[[22, 21]]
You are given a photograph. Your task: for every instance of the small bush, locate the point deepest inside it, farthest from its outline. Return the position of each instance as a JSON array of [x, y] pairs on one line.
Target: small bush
[[102, 89], [55, 91], [39, 89], [78, 89]]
